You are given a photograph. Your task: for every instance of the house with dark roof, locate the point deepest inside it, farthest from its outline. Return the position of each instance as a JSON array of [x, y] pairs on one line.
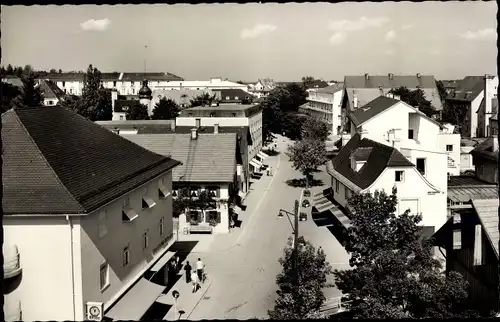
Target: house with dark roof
[[52, 94], [488, 107], [362, 89], [485, 159], [315, 85], [73, 193], [234, 96], [209, 162], [461, 189], [470, 238], [364, 166], [180, 97]]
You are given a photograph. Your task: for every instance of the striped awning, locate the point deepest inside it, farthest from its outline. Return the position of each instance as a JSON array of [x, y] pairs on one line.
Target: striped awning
[[341, 217], [255, 164], [262, 155]]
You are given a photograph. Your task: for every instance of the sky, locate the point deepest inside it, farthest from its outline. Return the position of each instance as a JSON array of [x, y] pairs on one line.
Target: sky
[[249, 41]]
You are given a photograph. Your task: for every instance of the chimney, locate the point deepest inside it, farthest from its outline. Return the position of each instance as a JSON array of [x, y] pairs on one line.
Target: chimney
[[391, 76], [397, 97], [198, 123], [345, 138], [418, 75], [172, 125], [194, 134], [355, 101], [216, 128], [367, 77]]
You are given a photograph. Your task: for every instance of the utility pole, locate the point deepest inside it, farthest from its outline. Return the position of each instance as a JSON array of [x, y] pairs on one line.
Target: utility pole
[[296, 244]]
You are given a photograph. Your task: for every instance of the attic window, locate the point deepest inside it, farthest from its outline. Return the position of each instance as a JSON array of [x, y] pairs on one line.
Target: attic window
[[212, 114], [162, 191], [129, 214], [147, 203]]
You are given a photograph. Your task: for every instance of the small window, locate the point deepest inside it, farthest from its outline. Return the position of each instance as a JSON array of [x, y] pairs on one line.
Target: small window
[[103, 230], [133, 91], [126, 256], [400, 176], [410, 134], [104, 276], [145, 240], [213, 192], [126, 201], [121, 118], [457, 239], [227, 98], [449, 148], [234, 114], [337, 185], [114, 84], [162, 226], [212, 114], [147, 202], [71, 91], [236, 97], [421, 165]]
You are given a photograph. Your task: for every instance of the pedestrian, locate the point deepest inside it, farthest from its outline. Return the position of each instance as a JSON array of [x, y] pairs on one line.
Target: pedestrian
[[177, 263], [199, 269], [268, 171], [187, 268], [194, 280], [173, 263]]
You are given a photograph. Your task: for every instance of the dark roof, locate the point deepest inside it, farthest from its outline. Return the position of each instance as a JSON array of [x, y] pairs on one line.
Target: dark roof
[[123, 105], [374, 81], [484, 151], [372, 109], [467, 89], [209, 158], [235, 95], [331, 89], [115, 76], [466, 181], [57, 162], [317, 83], [151, 77], [50, 90], [381, 157], [450, 83]]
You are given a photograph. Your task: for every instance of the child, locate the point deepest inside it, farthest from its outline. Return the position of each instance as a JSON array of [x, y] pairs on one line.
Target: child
[[194, 279]]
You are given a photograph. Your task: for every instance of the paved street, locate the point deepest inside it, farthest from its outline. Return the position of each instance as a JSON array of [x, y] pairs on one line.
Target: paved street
[[243, 277]]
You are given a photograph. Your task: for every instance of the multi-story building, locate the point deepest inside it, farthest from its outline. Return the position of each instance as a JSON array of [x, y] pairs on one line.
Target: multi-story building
[[231, 116], [199, 152], [485, 158], [325, 105], [450, 85], [124, 83], [494, 123], [263, 87], [181, 97], [211, 84], [81, 220], [362, 89]]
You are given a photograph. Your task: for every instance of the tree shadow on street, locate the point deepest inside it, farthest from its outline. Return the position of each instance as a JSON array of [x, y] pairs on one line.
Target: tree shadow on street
[[301, 183], [272, 153]]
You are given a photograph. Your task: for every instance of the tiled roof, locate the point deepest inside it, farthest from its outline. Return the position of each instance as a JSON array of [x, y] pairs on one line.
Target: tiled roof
[[450, 83], [151, 77], [465, 194], [484, 150], [371, 109], [235, 95], [57, 162], [367, 90], [466, 181], [50, 90], [114, 76], [331, 89], [467, 89], [487, 211], [317, 83], [209, 158], [381, 157], [69, 77]]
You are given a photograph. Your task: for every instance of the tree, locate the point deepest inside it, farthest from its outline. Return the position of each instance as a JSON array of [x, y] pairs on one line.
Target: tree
[[53, 71], [306, 80], [18, 71], [292, 126], [415, 98], [441, 91], [9, 93], [165, 109], [305, 300], [10, 70], [306, 156], [394, 274], [183, 202], [30, 95], [28, 70], [315, 129], [60, 71], [138, 112], [204, 99], [298, 96]]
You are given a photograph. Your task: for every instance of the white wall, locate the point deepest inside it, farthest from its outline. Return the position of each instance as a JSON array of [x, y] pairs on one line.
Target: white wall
[[44, 246], [395, 117], [210, 121], [255, 126], [444, 140], [119, 116], [491, 90], [473, 116], [98, 250], [71, 87], [327, 108]]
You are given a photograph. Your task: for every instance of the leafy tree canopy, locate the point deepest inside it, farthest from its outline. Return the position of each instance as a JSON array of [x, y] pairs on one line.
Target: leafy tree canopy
[[137, 111], [304, 301], [204, 99], [306, 80], [165, 109], [30, 95], [291, 123], [307, 155], [9, 92], [315, 129], [394, 274], [415, 98]]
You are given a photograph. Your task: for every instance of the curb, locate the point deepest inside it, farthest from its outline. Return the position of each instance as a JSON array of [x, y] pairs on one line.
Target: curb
[[198, 302]]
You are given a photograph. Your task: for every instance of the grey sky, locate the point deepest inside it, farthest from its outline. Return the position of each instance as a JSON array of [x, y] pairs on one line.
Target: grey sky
[[250, 41]]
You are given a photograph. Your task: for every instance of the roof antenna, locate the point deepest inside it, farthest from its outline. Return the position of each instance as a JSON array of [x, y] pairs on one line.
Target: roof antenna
[[145, 54]]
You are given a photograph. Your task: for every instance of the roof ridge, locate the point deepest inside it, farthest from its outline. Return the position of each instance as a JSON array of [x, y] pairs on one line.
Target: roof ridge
[[47, 162]]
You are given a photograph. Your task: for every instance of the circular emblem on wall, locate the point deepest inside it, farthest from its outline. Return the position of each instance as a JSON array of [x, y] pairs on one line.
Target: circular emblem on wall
[[94, 311]]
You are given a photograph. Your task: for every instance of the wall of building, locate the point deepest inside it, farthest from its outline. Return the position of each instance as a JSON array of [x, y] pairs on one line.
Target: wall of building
[[487, 171], [98, 248], [50, 101], [472, 114], [378, 133], [490, 92], [71, 87], [45, 289], [466, 162], [445, 140], [119, 116], [210, 121], [255, 126], [326, 107]]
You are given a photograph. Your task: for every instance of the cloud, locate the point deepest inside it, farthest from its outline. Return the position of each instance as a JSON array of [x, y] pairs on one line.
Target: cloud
[[482, 34], [357, 24], [337, 38], [96, 25], [257, 30], [390, 35], [406, 27]]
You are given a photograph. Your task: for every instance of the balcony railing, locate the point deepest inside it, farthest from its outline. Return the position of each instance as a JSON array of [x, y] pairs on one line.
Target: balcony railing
[[11, 265]]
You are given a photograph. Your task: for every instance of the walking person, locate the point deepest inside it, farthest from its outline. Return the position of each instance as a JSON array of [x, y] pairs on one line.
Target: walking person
[[177, 263], [187, 268], [199, 269], [194, 280]]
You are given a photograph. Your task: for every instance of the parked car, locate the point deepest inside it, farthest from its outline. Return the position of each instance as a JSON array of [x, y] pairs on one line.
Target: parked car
[[306, 203], [307, 193]]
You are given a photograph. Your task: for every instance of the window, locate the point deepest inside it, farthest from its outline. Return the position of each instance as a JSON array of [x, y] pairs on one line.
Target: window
[[337, 185], [64, 84], [145, 240], [457, 239], [147, 202], [162, 190], [133, 91], [213, 215], [236, 97], [213, 192], [114, 83], [102, 217], [126, 201], [421, 165], [104, 276], [162, 226], [449, 148], [234, 114], [347, 192], [71, 91], [121, 118], [212, 114], [126, 256], [400, 176], [410, 134]]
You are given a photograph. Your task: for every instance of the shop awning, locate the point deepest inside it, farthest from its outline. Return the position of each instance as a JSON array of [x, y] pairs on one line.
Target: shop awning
[[254, 164], [258, 162], [162, 261], [262, 155], [346, 222], [136, 301]]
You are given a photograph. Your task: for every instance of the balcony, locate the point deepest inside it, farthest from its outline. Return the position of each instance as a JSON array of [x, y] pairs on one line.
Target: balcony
[[11, 266]]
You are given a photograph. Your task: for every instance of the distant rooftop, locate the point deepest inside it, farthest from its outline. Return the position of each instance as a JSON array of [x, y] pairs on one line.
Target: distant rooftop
[[224, 107]]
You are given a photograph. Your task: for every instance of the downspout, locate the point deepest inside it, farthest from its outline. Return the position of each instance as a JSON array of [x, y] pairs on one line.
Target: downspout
[[72, 265]]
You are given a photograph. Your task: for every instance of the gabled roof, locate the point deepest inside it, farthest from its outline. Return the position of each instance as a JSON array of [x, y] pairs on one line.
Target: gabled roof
[[235, 95], [372, 109], [209, 158], [57, 162], [484, 150], [381, 157], [487, 211], [332, 89], [50, 90], [467, 89], [317, 83]]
